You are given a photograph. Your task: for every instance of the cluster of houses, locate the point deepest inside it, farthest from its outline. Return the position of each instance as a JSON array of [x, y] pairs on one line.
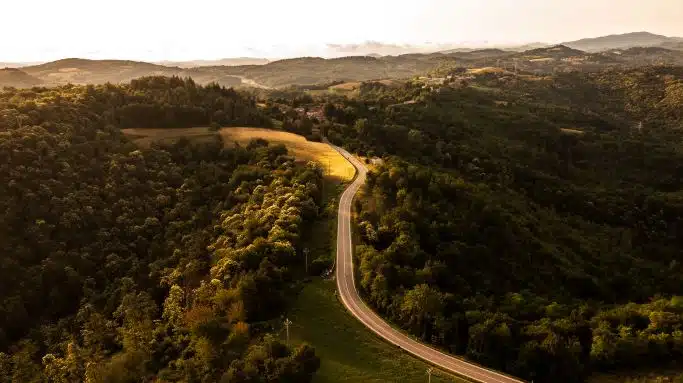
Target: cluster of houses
[[315, 113]]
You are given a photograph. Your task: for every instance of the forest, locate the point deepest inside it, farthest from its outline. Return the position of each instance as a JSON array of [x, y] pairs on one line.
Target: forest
[[532, 224], [172, 263]]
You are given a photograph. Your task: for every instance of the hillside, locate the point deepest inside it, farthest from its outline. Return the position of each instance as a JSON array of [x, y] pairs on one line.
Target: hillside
[[508, 48], [82, 71], [556, 52], [479, 53], [316, 70], [221, 62], [167, 263], [306, 70], [17, 78], [17, 64], [529, 223], [559, 58], [622, 41]]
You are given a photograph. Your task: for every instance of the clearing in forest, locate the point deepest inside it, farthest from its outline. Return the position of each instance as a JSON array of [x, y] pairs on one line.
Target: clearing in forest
[[486, 70], [335, 165]]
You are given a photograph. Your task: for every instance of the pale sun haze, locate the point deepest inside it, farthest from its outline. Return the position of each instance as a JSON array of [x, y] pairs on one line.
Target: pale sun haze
[[42, 30]]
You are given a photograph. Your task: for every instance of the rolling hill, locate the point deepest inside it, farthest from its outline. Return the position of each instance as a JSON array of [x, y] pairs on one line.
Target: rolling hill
[[17, 78], [17, 64], [556, 52], [623, 41], [308, 71], [316, 70], [300, 71], [237, 61], [82, 71]]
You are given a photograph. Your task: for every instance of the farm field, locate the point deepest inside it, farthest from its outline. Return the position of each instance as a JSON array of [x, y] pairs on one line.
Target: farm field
[[336, 167]]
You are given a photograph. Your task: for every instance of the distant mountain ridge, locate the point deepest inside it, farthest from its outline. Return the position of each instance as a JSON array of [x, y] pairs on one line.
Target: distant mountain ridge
[[374, 65], [625, 41], [237, 61], [17, 64], [378, 49], [83, 71], [556, 51]]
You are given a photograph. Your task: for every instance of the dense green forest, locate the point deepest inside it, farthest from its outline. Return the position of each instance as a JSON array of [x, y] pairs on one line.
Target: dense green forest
[[121, 264], [530, 223]]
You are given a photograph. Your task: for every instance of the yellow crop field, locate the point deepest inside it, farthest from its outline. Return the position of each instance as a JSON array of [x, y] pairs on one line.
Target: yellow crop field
[[335, 165], [346, 86], [572, 131], [485, 70]]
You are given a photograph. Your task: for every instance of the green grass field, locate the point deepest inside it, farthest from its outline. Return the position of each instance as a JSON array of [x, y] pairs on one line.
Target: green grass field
[[348, 351]]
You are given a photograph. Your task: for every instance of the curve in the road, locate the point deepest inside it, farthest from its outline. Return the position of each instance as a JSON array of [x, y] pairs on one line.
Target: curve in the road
[[354, 303]]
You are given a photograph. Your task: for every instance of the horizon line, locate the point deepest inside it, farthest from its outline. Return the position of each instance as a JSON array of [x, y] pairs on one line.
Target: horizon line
[[343, 50]]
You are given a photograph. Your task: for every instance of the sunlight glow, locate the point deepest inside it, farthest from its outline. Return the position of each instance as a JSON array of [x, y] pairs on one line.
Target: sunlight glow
[[35, 30]]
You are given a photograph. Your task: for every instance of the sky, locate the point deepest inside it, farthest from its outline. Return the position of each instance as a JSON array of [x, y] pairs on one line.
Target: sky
[[154, 30]]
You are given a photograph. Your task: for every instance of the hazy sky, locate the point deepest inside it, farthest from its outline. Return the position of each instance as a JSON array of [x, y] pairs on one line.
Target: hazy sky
[[38, 30]]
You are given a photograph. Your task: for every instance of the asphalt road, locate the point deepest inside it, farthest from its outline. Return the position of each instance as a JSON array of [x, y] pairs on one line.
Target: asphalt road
[[354, 303]]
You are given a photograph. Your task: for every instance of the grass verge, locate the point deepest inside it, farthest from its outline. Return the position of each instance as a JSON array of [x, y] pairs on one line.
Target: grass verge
[[348, 351]]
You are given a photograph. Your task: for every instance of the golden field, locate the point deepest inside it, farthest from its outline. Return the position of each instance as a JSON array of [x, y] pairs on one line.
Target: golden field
[[334, 164]]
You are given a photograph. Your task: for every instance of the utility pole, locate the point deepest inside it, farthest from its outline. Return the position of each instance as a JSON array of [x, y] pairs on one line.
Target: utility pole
[[429, 374], [287, 323], [306, 258]]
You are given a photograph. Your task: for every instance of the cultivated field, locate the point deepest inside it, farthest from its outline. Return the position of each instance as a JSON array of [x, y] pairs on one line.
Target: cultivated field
[[485, 70], [351, 88], [335, 165], [348, 86], [572, 131]]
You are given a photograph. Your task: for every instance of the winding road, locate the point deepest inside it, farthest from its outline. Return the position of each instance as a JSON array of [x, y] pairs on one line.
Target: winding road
[[354, 303]]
